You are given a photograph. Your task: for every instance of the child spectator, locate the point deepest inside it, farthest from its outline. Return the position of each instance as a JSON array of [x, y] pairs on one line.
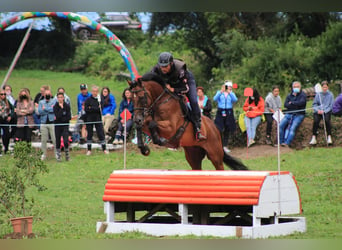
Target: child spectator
[[254, 107]]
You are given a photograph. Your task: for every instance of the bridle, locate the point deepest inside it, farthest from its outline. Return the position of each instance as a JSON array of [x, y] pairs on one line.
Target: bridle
[[147, 110]]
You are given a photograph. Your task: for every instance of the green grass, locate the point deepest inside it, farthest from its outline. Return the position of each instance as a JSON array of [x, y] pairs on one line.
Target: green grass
[[72, 204]]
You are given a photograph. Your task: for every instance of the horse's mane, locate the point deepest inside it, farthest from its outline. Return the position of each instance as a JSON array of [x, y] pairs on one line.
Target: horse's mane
[[150, 76]]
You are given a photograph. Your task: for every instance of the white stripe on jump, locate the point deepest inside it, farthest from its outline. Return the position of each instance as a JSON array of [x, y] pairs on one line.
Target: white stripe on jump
[[192, 172]]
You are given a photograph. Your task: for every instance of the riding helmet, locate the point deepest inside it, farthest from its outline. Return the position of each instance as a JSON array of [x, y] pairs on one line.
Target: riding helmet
[[165, 58]]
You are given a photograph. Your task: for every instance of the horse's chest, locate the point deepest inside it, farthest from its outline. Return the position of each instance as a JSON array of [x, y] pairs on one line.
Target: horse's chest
[[163, 114]]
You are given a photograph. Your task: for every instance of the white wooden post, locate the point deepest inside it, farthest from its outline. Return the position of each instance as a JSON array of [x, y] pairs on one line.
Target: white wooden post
[[110, 211], [183, 211]]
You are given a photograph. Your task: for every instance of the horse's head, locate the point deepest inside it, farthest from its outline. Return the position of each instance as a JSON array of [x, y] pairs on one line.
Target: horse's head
[[140, 101], [144, 96]]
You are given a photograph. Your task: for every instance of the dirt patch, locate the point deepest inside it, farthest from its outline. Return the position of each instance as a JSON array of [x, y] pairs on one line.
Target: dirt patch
[[257, 151]]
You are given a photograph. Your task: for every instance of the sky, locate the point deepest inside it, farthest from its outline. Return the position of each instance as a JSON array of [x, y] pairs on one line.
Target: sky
[[40, 23]]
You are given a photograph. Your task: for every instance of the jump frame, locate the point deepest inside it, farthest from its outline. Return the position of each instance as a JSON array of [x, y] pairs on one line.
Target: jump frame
[[242, 204]]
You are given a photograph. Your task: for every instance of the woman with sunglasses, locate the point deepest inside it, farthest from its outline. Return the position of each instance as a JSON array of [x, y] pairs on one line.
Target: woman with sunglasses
[[6, 114]]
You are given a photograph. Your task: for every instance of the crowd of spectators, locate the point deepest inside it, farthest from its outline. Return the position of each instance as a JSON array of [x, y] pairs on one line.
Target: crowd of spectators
[[256, 109], [49, 115]]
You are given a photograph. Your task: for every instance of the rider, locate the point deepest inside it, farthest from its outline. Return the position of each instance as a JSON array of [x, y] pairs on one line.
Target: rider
[[180, 81]]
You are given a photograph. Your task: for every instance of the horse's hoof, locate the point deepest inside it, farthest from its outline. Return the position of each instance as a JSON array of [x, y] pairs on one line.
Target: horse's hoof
[[162, 141], [145, 151]]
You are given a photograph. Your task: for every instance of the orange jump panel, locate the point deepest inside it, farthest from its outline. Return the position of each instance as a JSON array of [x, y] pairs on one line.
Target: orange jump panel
[[187, 187]]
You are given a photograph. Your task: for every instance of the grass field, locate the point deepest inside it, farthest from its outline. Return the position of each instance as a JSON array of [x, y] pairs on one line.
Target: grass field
[[72, 204]]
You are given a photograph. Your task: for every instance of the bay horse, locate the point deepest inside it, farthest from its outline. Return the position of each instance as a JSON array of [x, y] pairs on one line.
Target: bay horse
[[159, 114]]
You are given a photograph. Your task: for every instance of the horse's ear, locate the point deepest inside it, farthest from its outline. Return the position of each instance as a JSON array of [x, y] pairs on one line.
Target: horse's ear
[[134, 83]]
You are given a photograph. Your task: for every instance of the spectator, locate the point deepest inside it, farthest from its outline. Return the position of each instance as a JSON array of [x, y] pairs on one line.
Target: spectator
[[322, 106], [126, 103], [254, 107], [224, 119], [24, 111], [66, 97], [9, 96], [47, 118], [295, 104], [6, 114], [272, 105], [13, 102], [337, 106], [80, 125], [92, 108], [37, 99], [108, 106], [204, 102], [63, 115]]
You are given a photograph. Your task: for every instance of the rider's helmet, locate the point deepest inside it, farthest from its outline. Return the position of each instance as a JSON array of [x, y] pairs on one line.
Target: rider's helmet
[[165, 58]]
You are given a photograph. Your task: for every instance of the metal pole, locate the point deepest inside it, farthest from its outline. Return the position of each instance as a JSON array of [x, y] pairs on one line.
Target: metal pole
[[278, 136], [125, 134], [17, 55]]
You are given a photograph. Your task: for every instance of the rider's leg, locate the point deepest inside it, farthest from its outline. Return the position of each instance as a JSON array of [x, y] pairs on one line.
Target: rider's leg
[[196, 112]]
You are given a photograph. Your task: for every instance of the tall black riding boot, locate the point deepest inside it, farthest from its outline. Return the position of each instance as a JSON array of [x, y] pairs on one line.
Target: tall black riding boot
[[198, 134], [67, 154]]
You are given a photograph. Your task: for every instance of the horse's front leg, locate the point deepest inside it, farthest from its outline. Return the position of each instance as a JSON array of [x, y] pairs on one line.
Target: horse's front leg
[[144, 149], [156, 139]]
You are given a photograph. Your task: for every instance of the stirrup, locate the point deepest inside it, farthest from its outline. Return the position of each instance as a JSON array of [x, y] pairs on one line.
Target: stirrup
[[199, 136]]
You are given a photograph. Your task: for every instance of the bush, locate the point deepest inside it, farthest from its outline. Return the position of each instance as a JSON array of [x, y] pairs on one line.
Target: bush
[[17, 178]]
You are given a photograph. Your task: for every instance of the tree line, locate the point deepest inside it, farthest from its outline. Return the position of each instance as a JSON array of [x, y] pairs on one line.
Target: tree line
[[251, 48]]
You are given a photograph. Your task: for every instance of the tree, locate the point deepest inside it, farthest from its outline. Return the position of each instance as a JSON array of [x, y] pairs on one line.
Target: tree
[[309, 24], [328, 61]]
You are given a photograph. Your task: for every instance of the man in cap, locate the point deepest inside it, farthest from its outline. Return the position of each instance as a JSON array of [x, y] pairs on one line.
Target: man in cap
[[81, 97], [179, 80]]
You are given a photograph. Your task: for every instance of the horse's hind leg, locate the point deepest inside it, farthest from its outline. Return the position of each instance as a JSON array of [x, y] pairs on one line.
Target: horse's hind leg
[[194, 156], [215, 155]]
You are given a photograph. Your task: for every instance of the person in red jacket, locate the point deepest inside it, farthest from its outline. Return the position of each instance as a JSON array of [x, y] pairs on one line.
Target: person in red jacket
[[254, 107]]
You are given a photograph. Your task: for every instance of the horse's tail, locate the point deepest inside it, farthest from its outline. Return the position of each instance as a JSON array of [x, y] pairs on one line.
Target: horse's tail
[[233, 162]]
